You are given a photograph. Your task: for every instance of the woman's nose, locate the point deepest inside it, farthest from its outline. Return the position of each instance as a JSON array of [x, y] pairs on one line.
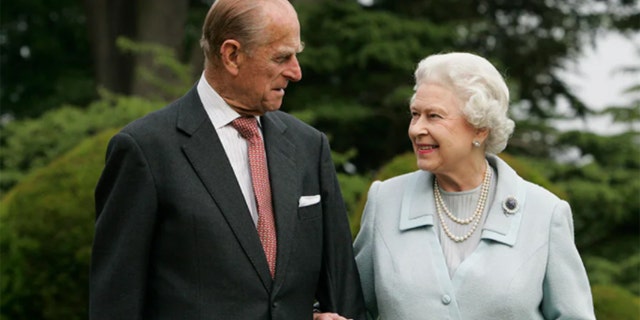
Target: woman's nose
[[418, 127]]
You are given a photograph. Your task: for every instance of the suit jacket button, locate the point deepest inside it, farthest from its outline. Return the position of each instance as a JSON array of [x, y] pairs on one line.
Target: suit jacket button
[[446, 299]]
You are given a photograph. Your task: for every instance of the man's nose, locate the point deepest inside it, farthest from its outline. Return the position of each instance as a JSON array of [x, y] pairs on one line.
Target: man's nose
[[293, 71]]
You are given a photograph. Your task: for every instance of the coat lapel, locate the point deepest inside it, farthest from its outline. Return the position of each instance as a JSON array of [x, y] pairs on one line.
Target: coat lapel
[[417, 202], [284, 190], [500, 226], [209, 160]]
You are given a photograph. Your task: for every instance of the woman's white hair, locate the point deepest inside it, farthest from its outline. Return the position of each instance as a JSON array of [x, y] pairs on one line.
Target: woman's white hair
[[479, 85]]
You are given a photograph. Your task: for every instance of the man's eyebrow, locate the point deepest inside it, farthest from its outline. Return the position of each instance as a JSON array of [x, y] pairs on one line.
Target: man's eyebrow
[[301, 47]]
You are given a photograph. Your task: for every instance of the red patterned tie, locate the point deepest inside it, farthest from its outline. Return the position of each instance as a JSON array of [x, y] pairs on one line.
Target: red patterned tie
[[248, 128]]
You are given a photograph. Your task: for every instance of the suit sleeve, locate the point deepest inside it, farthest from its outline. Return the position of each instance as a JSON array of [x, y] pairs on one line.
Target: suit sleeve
[[567, 294], [126, 205], [339, 284], [364, 251]]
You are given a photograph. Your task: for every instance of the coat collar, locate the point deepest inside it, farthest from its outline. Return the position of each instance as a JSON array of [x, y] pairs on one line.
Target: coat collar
[[418, 203]]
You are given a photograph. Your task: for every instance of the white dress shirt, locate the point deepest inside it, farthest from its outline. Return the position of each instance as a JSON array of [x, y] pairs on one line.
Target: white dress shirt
[[235, 146]]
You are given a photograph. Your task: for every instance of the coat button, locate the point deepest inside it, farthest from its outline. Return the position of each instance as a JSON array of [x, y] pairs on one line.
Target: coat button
[[446, 299]]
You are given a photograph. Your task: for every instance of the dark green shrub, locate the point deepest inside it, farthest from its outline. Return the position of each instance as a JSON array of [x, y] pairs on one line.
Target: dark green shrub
[[616, 263], [615, 303], [33, 143], [46, 231]]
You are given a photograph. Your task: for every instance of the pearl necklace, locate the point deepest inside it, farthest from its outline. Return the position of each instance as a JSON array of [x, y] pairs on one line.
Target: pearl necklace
[[475, 218]]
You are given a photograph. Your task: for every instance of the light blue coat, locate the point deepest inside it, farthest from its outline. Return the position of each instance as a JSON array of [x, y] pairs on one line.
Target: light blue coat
[[525, 267]]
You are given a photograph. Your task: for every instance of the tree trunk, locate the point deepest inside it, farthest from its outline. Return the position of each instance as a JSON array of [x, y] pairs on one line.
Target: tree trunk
[[107, 20], [159, 22]]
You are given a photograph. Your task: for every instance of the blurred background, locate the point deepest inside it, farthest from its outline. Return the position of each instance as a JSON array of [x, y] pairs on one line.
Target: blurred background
[[74, 72]]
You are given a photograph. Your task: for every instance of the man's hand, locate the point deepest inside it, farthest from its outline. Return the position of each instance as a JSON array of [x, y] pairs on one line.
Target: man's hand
[[328, 316]]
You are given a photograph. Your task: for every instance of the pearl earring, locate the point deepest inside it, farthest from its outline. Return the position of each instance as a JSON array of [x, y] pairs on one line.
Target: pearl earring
[[476, 143]]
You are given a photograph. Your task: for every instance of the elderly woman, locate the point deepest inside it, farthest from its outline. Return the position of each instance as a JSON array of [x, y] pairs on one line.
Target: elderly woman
[[465, 237]]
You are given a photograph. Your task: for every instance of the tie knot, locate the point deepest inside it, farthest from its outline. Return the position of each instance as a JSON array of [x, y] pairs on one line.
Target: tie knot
[[247, 127]]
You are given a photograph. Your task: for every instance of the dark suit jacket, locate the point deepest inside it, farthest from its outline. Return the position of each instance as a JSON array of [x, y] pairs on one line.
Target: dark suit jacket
[[174, 238]]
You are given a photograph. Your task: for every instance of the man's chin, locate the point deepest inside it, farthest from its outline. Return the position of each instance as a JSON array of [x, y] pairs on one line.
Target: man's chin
[[272, 107]]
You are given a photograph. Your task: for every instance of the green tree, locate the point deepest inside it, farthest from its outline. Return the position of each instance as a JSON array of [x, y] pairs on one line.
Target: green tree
[[44, 60], [361, 59], [28, 144], [62, 52]]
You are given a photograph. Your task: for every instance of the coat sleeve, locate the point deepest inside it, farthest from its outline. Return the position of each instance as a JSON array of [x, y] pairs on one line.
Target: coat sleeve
[[364, 251], [567, 294], [126, 205], [339, 284]]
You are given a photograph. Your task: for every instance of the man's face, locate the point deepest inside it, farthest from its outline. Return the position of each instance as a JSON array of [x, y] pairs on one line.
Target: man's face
[[264, 73]]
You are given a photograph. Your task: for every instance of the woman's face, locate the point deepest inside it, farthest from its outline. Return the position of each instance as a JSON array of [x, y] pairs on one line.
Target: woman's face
[[441, 136]]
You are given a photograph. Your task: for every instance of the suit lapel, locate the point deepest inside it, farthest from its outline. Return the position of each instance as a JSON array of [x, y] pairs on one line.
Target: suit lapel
[[209, 160], [284, 189]]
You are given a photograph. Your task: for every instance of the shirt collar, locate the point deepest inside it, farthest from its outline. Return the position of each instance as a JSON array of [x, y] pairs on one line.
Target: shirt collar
[[219, 112]]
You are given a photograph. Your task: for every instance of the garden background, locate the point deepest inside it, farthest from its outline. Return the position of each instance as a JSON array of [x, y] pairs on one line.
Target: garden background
[[74, 72]]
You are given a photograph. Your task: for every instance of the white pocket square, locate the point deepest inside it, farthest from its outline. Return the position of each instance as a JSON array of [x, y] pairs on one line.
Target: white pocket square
[[308, 200]]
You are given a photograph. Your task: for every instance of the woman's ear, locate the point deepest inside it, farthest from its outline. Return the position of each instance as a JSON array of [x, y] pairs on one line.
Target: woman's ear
[[482, 134], [230, 55]]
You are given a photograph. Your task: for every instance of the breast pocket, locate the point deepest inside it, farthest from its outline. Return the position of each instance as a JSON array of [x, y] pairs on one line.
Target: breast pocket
[[310, 212]]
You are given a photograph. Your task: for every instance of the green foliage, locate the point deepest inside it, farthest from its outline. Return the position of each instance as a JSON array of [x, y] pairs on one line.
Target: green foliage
[[33, 143], [623, 272], [373, 39], [164, 61], [399, 165], [600, 209], [46, 231], [532, 171], [358, 72], [604, 191], [620, 150], [354, 188], [614, 303]]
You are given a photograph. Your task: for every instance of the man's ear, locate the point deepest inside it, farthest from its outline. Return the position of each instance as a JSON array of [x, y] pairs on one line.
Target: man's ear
[[230, 55]]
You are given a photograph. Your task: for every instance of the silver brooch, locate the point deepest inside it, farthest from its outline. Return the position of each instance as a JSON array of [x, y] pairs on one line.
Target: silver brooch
[[510, 205]]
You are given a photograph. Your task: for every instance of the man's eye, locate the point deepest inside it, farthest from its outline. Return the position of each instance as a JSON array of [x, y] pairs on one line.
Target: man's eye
[[283, 59]]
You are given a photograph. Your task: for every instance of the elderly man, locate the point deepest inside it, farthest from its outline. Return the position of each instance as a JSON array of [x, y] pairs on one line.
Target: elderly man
[[219, 206]]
